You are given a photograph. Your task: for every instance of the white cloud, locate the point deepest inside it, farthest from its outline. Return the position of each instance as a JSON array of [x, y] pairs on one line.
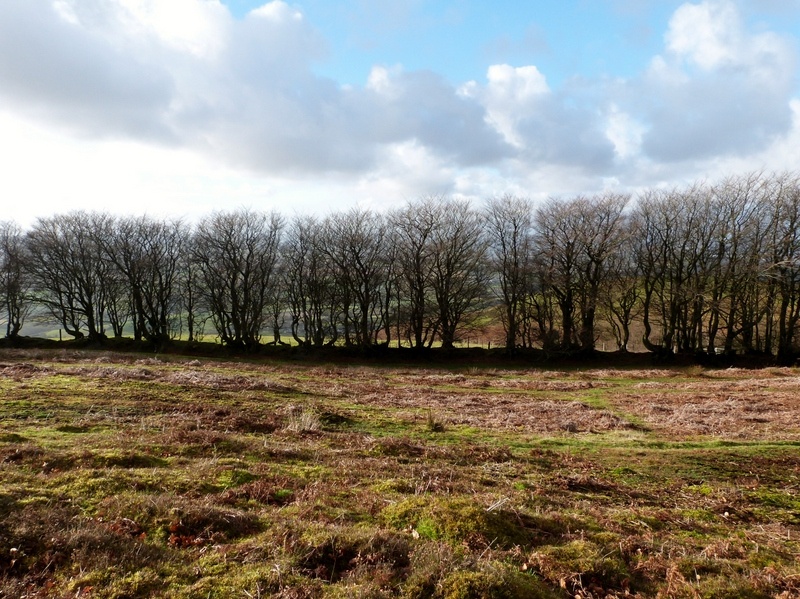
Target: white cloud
[[186, 73], [541, 125], [781, 155], [624, 132], [277, 11], [510, 96], [380, 80], [56, 69], [520, 84], [46, 172], [199, 28], [130, 83], [718, 89], [66, 10], [405, 171], [707, 34], [712, 36]]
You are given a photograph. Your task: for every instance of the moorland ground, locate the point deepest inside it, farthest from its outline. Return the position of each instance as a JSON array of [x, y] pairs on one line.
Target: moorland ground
[[126, 475]]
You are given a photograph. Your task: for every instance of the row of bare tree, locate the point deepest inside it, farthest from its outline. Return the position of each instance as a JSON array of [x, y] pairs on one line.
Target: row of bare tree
[[707, 268]]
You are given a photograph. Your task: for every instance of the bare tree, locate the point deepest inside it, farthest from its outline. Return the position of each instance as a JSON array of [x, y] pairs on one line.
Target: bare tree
[[14, 280], [189, 292], [69, 272], [235, 254], [676, 230], [118, 304], [310, 284], [734, 295], [148, 254], [784, 269], [540, 310], [557, 250], [621, 296], [355, 244], [460, 272], [575, 241], [703, 268], [277, 300], [509, 222], [601, 233], [414, 226]]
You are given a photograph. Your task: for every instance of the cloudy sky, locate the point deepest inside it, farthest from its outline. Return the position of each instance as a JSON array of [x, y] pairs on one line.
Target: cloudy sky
[[181, 107]]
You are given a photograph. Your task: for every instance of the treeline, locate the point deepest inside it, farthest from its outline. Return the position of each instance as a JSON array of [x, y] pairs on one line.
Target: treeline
[[704, 269]]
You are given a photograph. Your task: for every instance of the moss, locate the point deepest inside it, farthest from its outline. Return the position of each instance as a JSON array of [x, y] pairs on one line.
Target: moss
[[697, 517], [761, 558], [235, 477], [178, 522], [87, 487], [652, 522], [74, 429], [393, 486], [127, 459], [113, 584], [582, 562], [775, 499], [494, 581], [430, 563], [702, 489], [728, 587], [457, 520], [331, 553]]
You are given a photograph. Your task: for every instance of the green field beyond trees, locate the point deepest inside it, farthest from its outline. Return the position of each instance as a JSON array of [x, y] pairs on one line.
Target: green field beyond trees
[[138, 476]]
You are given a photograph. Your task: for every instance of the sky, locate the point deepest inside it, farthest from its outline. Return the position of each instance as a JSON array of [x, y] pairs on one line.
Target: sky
[[178, 108]]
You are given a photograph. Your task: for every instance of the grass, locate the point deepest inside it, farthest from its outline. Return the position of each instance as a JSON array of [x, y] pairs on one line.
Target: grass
[[138, 476]]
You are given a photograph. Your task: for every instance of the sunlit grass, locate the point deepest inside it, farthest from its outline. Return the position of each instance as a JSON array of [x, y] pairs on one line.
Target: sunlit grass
[[134, 475]]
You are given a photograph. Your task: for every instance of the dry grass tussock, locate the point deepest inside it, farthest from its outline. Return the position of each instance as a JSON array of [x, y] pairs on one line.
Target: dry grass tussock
[[734, 403], [638, 374], [721, 385], [302, 420], [745, 415], [493, 411], [184, 377], [23, 370], [750, 374], [548, 385]]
